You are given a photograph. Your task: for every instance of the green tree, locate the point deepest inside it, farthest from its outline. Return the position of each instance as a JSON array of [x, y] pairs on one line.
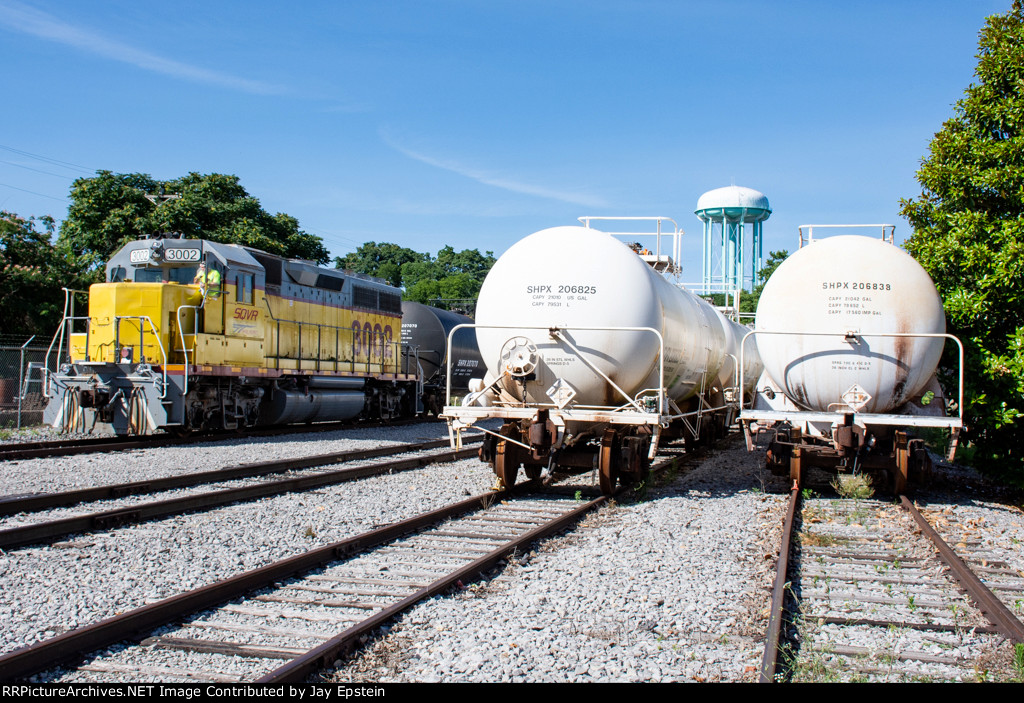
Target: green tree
[[968, 227], [748, 303], [32, 275], [382, 260], [111, 209], [452, 275]]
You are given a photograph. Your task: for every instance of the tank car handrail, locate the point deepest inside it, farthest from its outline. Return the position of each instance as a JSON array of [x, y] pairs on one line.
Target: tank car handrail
[[891, 238], [552, 331], [931, 335]]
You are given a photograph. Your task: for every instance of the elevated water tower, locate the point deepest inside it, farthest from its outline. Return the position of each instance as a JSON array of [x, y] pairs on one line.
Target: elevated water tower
[[730, 261]]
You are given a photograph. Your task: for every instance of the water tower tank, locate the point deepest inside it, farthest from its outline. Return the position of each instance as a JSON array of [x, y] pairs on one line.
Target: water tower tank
[[728, 210]]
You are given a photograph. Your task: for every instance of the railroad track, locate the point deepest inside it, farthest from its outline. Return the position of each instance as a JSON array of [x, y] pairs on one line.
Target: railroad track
[[33, 532], [869, 590], [66, 447], [301, 614]]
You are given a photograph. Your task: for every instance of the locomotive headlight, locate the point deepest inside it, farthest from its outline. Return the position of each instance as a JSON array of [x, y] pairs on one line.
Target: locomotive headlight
[[156, 251]]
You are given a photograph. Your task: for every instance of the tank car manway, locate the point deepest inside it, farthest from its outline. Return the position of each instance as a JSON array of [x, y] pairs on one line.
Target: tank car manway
[[306, 610], [868, 595], [48, 530]]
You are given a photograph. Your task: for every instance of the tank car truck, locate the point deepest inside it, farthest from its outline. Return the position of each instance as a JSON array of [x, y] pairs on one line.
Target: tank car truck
[[593, 356], [188, 334], [851, 329]]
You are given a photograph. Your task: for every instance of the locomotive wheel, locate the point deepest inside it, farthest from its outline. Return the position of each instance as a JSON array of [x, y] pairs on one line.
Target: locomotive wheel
[[506, 463], [608, 462], [533, 471]]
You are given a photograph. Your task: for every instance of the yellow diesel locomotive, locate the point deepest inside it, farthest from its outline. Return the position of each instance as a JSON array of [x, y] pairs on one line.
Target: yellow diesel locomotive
[[189, 334]]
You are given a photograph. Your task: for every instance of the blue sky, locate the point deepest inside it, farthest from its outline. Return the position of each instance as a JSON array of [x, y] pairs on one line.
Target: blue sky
[[477, 123]]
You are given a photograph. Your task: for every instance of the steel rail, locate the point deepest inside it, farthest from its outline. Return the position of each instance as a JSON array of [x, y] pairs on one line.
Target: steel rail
[[67, 447], [770, 660], [323, 656], [12, 505], [134, 624], [110, 519], [988, 603]]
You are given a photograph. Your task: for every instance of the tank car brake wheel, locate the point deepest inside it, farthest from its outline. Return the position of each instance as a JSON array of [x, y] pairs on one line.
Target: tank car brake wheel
[[608, 462], [506, 463]]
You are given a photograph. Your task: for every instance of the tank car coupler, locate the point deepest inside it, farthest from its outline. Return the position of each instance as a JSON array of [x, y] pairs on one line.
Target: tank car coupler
[[542, 434]]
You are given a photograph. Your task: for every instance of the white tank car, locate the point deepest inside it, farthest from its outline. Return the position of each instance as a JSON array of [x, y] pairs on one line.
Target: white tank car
[[855, 286], [575, 278], [570, 324], [850, 330]]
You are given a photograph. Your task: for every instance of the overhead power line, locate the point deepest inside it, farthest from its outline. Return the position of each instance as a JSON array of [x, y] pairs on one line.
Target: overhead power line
[[47, 159]]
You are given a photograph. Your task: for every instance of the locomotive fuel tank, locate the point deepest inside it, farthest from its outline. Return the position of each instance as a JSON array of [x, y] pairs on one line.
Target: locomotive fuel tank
[[859, 289]]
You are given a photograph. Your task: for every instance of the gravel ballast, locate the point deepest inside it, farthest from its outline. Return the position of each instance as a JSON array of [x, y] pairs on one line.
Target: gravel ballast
[[47, 590], [670, 588]]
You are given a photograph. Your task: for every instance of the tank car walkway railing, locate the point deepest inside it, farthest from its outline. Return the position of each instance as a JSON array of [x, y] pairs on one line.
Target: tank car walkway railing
[[953, 423], [637, 413]]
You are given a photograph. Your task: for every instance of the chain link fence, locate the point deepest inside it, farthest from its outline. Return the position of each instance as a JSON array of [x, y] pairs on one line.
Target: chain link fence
[[21, 382]]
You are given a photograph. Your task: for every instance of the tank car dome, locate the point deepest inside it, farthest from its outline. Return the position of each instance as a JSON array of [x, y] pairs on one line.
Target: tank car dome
[[733, 202]]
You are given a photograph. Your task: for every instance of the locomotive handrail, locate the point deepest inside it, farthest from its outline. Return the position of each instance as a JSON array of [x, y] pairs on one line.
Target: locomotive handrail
[[156, 336], [181, 333], [926, 335], [69, 300], [397, 346], [552, 331]]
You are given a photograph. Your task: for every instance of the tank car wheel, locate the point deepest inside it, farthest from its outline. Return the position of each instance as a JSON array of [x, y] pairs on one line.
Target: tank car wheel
[[506, 463], [608, 462], [634, 457]]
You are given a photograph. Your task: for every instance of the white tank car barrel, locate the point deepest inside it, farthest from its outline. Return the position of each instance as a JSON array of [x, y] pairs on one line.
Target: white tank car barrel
[[850, 330], [591, 354], [425, 335]]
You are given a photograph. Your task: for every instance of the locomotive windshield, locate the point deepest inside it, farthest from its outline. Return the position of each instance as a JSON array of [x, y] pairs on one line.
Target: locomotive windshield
[[166, 274]]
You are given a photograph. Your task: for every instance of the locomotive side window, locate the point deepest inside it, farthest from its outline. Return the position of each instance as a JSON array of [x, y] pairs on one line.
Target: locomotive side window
[[244, 287]]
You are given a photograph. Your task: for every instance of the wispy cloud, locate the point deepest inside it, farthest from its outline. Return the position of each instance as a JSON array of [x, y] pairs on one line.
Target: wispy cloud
[[29, 20], [491, 179]]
